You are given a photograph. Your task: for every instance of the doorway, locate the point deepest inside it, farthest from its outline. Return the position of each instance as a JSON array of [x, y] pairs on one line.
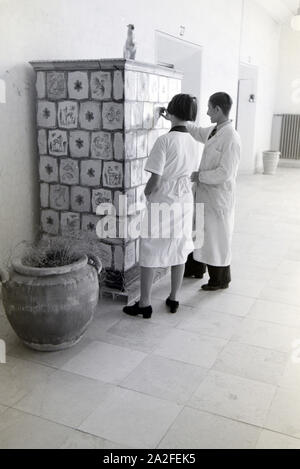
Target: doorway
[[183, 56], [246, 115]]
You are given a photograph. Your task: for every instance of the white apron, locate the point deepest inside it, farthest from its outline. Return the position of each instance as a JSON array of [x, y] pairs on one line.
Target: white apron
[[216, 189], [175, 157]]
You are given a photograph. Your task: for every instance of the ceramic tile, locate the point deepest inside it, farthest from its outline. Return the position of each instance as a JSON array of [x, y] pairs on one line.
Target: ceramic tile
[[79, 144], [105, 362], [56, 85], [153, 88], [44, 195], [143, 87], [137, 115], [48, 169], [200, 430], [145, 174], [90, 115], [42, 142], [284, 413], [119, 258], [101, 196], [80, 199], [127, 176], [67, 115], [113, 116], [148, 117], [18, 378], [118, 86], [112, 175], [59, 197], [212, 324], [23, 431], [50, 222], [286, 315], [130, 145], [69, 172], [130, 86], [237, 398], [275, 441], [40, 85], [58, 143], [132, 419], [70, 222], [78, 85], [80, 440], [89, 224], [142, 144], [129, 260], [64, 398], [255, 363], [105, 255], [90, 173], [102, 145], [165, 379], [152, 137], [46, 114], [195, 349], [163, 89], [118, 146], [101, 85]]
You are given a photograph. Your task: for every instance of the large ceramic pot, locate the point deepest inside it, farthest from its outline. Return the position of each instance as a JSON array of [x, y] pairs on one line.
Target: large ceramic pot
[[50, 309]]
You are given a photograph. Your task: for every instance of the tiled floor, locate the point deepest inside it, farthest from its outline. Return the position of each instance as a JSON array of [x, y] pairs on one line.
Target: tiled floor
[[219, 374]]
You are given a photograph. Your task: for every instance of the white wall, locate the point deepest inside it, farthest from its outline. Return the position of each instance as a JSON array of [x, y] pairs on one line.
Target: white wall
[[73, 29], [260, 46], [288, 91]]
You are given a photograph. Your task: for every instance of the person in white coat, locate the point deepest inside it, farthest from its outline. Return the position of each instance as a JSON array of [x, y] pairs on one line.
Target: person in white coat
[[169, 238], [216, 189]]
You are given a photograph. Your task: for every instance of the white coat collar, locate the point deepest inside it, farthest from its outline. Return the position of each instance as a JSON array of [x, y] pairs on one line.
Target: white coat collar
[[219, 133]]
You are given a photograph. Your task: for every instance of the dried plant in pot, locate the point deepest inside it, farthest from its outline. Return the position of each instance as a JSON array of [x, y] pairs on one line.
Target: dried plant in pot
[[51, 291]]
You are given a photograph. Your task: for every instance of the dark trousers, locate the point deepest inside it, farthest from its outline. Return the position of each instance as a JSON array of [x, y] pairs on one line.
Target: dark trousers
[[218, 276]]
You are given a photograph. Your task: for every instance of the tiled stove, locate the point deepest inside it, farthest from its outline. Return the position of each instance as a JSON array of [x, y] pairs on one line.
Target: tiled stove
[[97, 121]]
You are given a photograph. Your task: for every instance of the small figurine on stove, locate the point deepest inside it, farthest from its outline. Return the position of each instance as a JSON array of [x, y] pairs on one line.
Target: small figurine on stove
[[130, 46]]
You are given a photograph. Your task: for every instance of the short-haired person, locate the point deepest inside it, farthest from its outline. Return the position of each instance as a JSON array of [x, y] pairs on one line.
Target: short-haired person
[[171, 163], [216, 189]]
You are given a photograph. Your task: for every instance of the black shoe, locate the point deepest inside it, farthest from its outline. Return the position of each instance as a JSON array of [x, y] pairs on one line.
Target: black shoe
[[190, 275], [135, 310], [209, 287], [173, 305]]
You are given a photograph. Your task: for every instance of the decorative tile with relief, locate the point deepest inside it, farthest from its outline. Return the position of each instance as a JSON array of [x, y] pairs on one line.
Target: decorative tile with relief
[[101, 146], [143, 87], [68, 115], [43, 142], [129, 259], [130, 145], [80, 144], [118, 86], [48, 169], [70, 222], [100, 196], [90, 174], [112, 175], [163, 89], [130, 86], [136, 173], [80, 199], [113, 116], [148, 118], [59, 197], [118, 146], [137, 115], [69, 172], [78, 85], [90, 115], [101, 85], [40, 85], [153, 88], [142, 144], [58, 143], [89, 224], [50, 222], [46, 114], [56, 85], [44, 195]]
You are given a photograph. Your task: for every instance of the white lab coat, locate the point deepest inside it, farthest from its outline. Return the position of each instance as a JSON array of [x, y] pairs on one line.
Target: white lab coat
[[174, 157], [217, 191]]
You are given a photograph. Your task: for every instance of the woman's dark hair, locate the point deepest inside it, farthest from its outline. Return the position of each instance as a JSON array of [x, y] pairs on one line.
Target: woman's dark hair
[[223, 100], [184, 107]]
